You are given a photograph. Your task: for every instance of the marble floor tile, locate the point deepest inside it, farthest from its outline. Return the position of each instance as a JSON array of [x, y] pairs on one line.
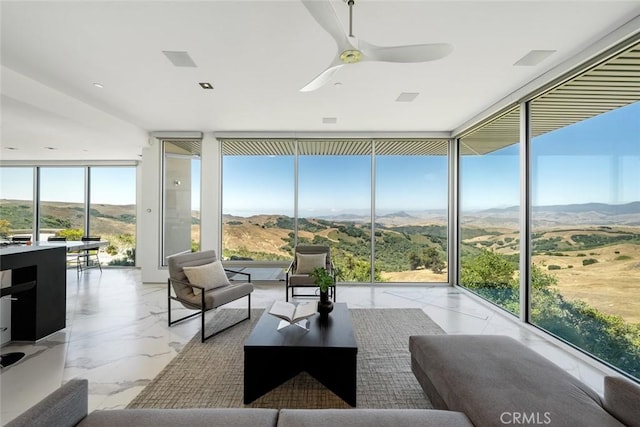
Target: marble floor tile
[[118, 338]]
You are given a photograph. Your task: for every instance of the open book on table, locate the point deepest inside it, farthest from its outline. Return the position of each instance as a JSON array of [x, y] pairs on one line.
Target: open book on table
[[293, 313]]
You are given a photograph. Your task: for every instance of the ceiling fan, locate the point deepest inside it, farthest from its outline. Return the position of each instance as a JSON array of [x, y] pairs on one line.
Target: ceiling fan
[[352, 50]]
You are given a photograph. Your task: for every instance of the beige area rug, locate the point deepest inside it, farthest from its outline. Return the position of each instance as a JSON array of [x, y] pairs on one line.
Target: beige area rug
[[211, 374]]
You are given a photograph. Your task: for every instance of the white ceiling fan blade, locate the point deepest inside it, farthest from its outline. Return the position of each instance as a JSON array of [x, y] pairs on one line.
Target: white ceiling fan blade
[[322, 78], [325, 15], [408, 53]]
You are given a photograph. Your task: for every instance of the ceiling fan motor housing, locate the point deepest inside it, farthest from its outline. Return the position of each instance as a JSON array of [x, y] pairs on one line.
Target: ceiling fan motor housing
[[350, 56]]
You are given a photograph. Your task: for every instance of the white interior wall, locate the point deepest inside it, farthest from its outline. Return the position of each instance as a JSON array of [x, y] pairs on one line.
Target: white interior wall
[[210, 197], [150, 215], [149, 248]]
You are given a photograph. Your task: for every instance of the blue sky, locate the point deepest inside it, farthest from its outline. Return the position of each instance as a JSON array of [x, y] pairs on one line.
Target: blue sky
[[606, 170], [109, 185], [330, 185], [597, 160]]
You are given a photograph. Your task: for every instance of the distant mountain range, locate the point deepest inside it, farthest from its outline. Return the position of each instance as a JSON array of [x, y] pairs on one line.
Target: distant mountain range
[[508, 217], [116, 218], [592, 214], [602, 208]]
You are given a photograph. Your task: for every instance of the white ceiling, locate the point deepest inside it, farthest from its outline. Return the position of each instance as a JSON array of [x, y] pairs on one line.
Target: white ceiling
[[258, 54]]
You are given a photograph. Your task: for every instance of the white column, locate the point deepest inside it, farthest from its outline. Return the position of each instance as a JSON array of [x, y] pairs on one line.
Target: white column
[[211, 194], [150, 214]]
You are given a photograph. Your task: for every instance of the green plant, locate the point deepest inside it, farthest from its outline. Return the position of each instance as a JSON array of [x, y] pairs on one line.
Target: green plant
[[4, 228], [322, 278], [71, 233]]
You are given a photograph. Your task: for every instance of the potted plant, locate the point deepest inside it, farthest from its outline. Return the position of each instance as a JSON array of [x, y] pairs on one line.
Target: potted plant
[[324, 280]]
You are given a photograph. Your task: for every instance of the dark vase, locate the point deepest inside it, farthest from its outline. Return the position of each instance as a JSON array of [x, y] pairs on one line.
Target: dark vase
[[325, 306]]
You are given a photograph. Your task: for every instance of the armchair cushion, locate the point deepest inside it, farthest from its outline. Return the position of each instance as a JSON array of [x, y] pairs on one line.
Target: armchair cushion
[[209, 276], [218, 296], [305, 263]]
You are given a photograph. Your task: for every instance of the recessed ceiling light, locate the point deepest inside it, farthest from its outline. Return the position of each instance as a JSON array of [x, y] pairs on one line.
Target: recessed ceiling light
[[329, 120], [407, 96], [337, 84], [534, 58], [10, 148], [205, 85], [50, 148], [179, 58], [98, 85]]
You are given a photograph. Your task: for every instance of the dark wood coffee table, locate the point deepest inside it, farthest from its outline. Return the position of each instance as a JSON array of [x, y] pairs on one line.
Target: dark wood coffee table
[[328, 352]]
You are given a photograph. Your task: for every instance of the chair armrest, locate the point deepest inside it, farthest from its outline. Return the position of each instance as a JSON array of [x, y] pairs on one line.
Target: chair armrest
[[182, 282], [228, 270], [291, 267]]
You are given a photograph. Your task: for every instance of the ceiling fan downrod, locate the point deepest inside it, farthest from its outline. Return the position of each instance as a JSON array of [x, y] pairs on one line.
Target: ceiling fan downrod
[[351, 3]]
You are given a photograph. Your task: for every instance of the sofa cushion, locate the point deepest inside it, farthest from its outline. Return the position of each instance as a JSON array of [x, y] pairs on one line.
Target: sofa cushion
[[622, 400], [371, 418], [227, 417], [497, 380]]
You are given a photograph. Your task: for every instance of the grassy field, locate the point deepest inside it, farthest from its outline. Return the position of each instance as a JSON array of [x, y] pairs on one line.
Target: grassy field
[[611, 285], [415, 276]]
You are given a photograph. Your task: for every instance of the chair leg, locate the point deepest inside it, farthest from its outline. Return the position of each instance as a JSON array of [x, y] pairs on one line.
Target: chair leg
[[169, 302], [202, 310], [204, 338], [169, 298]]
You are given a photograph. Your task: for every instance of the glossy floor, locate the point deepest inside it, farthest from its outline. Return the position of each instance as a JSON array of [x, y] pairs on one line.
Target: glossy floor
[[117, 336]]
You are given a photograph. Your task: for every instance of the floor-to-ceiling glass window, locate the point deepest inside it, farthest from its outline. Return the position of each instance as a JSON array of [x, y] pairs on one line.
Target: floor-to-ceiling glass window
[[62, 202], [489, 211], [258, 218], [16, 202], [334, 202], [411, 199], [112, 212], [585, 165], [181, 197]]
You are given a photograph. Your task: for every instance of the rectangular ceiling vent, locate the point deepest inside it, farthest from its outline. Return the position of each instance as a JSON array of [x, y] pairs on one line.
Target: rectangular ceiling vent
[[179, 58], [407, 96], [534, 58]]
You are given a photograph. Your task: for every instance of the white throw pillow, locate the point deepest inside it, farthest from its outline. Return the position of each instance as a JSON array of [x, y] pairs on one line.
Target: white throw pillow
[[307, 262], [209, 276]]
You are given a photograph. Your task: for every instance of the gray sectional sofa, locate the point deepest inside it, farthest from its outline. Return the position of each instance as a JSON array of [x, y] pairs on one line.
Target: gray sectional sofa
[[472, 380], [496, 380], [67, 407]]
